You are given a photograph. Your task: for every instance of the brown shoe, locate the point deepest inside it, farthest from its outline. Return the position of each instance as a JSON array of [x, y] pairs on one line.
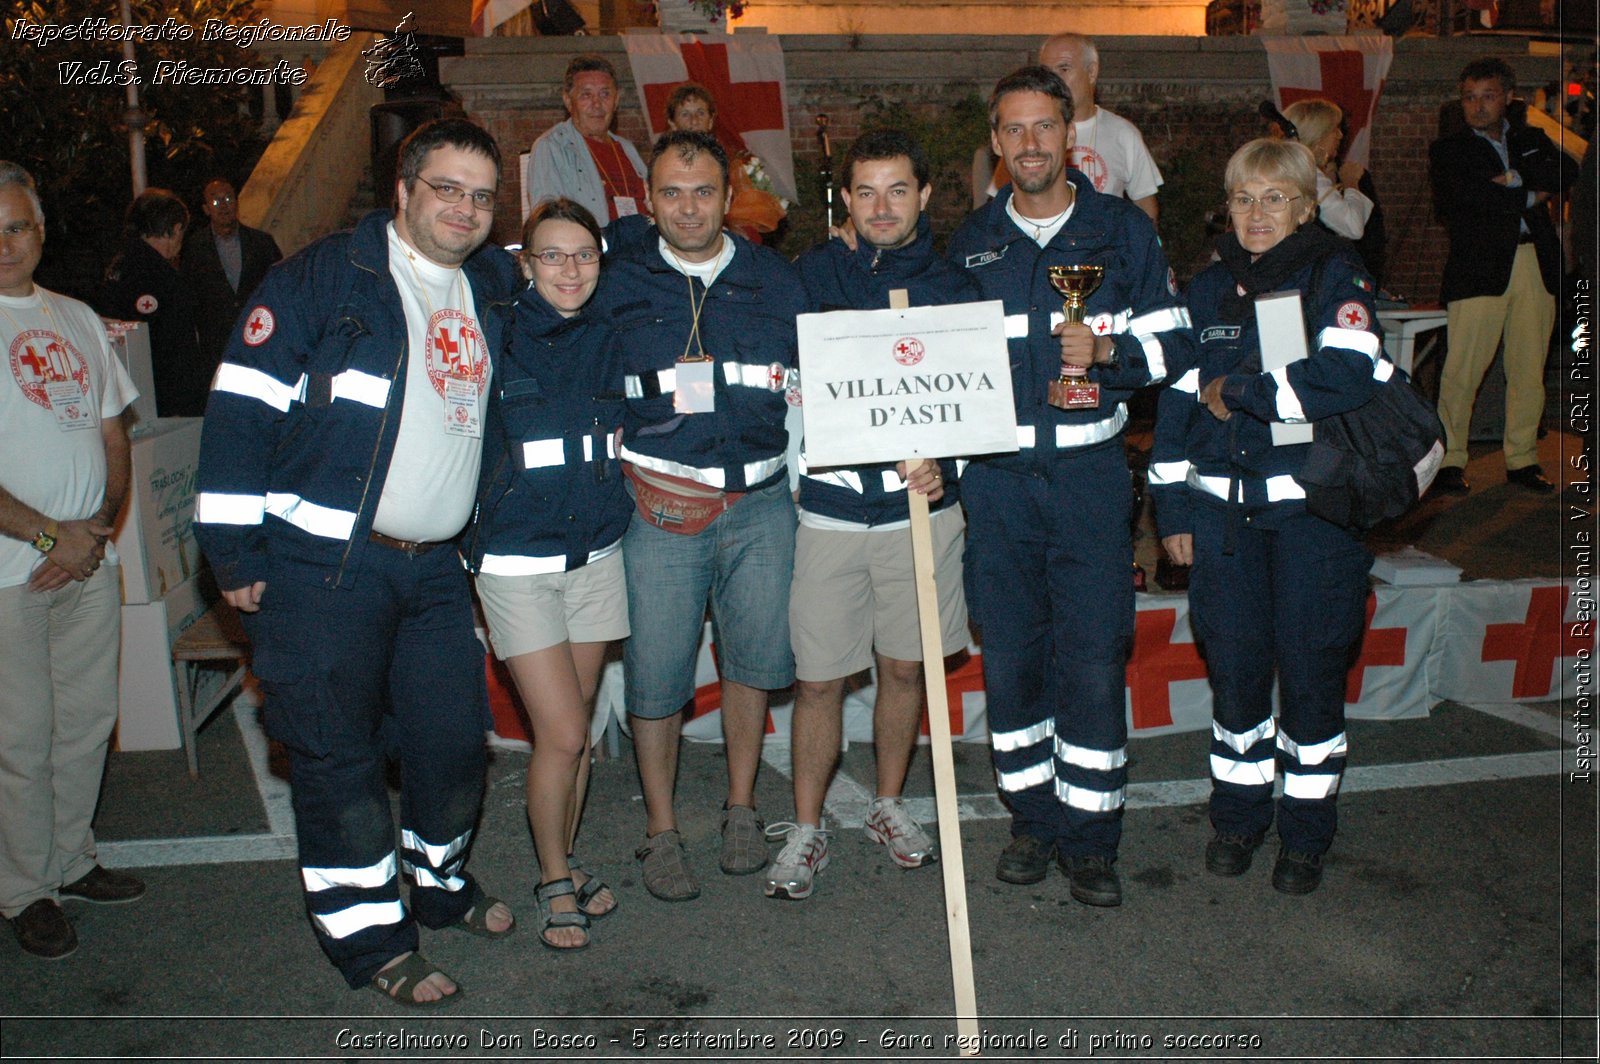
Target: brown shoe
[[44, 930], [105, 887]]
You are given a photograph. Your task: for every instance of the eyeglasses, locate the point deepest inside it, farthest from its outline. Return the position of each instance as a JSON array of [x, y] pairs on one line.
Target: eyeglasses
[[481, 199], [220, 201], [16, 229], [1271, 203], [552, 257]]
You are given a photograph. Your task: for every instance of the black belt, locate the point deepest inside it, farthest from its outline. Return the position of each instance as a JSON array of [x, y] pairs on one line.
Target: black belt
[[416, 550]]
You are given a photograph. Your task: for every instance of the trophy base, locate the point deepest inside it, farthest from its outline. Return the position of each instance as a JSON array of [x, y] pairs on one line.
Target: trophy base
[[1074, 394]]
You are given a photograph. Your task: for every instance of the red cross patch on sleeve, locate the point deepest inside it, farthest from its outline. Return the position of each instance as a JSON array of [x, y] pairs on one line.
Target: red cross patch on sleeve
[[146, 304], [1352, 315], [258, 326]]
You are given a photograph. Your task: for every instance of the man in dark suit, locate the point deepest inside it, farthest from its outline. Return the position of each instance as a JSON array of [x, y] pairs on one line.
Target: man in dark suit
[[1491, 182], [223, 263]]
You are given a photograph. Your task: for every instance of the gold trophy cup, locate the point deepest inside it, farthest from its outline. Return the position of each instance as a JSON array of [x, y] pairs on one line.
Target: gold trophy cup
[[1073, 390]]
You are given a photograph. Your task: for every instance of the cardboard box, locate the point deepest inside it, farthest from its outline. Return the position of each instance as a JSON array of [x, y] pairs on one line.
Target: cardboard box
[[130, 340], [155, 539], [1281, 324], [147, 717]]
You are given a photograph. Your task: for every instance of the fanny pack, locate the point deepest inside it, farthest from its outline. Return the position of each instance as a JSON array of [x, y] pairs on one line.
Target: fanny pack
[[677, 504]]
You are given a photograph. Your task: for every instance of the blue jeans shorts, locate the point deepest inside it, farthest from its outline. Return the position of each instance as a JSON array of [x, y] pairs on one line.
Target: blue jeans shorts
[[742, 563]]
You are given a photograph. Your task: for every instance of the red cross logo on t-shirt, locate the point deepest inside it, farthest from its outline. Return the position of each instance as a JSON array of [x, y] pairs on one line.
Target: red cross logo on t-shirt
[[455, 349], [39, 357]]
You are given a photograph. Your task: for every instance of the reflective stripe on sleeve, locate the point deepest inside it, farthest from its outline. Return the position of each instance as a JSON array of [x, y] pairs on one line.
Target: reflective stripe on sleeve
[[309, 517], [1189, 382], [666, 380], [1078, 435], [1279, 488], [1351, 340], [363, 388], [1287, 402], [253, 383], [1164, 473], [220, 508]]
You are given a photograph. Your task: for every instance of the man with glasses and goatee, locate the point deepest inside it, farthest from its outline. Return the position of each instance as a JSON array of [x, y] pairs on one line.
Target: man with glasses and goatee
[[338, 464]]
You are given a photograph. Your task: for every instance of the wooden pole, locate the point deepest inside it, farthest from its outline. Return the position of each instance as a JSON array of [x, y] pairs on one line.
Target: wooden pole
[[944, 770]]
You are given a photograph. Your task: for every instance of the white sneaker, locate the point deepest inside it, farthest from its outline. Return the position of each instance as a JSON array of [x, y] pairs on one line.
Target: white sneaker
[[804, 854], [889, 823]]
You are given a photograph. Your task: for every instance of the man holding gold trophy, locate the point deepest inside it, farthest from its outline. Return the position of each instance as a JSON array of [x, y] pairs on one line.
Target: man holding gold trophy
[[1048, 541]]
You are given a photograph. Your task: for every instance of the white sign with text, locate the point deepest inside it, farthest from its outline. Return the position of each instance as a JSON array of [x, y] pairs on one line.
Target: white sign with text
[[924, 382]]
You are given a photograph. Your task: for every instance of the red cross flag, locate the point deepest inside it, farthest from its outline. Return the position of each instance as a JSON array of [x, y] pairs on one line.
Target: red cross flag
[[746, 76], [1350, 71]]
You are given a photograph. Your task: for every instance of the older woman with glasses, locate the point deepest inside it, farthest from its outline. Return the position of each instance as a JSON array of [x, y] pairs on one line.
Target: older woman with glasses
[[1275, 593], [547, 546]]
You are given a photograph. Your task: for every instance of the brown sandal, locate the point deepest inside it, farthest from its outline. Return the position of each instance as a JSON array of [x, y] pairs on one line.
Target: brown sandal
[[399, 982]]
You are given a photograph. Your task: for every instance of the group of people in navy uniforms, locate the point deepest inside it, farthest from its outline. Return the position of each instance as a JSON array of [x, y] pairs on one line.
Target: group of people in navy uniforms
[[599, 434]]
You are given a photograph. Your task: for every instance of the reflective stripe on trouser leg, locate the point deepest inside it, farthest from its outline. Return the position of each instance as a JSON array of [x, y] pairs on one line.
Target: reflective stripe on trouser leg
[[1230, 611], [1089, 563], [338, 666], [1003, 567], [1321, 575]]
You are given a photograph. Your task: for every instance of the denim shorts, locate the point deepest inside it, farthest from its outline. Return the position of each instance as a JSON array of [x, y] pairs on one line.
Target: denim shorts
[[742, 564]]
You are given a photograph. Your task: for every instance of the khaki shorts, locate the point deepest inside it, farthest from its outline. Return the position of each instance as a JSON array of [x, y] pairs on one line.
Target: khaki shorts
[[588, 604], [855, 592]]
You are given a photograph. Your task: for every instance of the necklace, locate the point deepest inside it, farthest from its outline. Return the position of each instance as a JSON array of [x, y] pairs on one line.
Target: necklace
[[1040, 226]]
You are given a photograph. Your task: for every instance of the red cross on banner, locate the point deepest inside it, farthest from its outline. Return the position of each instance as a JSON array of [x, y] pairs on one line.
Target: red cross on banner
[[1157, 663], [1380, 646], [1350, 71], [1536, 642], [744, 74]]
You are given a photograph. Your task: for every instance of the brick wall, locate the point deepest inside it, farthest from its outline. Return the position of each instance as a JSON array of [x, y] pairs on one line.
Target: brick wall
[[1193, 98]]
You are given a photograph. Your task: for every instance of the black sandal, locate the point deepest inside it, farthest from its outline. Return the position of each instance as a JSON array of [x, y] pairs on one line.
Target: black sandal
[[590, 890], [399, 982], [549, 919]]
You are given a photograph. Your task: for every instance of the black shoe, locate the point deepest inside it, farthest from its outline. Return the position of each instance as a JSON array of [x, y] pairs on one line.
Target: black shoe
[[44, 930], [1451, 480], [105, 887], [1230, 855], [1297, 873], [1026, 860], [1532, 478], [1094, 882]]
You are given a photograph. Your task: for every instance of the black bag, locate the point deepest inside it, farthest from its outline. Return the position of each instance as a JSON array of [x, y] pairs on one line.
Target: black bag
[[1374, 462]]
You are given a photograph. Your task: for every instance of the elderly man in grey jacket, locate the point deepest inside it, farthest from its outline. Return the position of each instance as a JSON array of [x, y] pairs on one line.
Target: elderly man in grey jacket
[[581, 158]]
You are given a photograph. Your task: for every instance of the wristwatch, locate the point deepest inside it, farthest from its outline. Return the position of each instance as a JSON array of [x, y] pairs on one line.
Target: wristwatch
[[45, 541]]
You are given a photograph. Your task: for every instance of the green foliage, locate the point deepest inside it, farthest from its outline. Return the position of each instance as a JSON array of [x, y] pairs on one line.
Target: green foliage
[[74, 140]]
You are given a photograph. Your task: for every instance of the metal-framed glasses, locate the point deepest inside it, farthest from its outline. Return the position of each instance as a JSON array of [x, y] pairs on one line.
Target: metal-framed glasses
[[16, 229], [552, 257], [1271, 202], [482, 199]]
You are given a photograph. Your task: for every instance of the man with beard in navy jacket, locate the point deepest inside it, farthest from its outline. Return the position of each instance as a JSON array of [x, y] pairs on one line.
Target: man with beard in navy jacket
[[1048, 542]]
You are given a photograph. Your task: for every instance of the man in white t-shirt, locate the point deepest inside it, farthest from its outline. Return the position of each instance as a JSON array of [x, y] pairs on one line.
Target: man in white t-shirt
[[61, 486], [338, 465], [1107, 148]]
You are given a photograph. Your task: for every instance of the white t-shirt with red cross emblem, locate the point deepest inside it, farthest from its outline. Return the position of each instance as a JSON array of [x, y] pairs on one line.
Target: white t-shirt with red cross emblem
[[1110, 152], [433, 473], [58, 470]]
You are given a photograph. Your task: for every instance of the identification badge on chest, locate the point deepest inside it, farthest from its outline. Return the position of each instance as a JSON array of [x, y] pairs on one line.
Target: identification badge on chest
[[70, 406], [461, 408], [625, 205], [695, 389]]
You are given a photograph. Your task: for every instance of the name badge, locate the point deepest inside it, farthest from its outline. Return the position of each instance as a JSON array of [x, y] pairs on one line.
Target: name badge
[[461, 408], [625, 205], [695, 391], [69, 405]]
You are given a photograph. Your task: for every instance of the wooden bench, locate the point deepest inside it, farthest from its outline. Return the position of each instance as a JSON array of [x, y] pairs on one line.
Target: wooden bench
[[217, 638]]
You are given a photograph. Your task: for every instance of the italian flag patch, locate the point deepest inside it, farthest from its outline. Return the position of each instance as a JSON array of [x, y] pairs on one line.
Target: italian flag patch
[[1362, 283]]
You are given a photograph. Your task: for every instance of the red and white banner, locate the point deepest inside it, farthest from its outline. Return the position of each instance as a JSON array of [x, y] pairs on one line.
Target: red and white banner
[[1479, 642], [744, 74], [1350, 71]]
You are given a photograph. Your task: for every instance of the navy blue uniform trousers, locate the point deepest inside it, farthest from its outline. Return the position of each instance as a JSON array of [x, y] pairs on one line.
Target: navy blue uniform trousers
[[1049, 581], [1288, 603], [387, 665]]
